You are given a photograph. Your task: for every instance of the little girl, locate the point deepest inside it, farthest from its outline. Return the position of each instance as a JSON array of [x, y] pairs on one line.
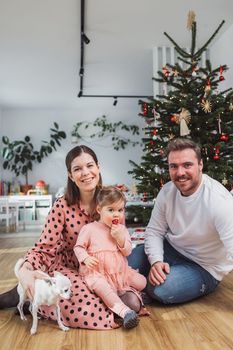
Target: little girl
[[101, 249]]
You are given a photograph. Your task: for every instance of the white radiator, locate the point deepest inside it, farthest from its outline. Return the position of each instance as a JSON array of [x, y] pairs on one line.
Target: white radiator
[[163, 55]]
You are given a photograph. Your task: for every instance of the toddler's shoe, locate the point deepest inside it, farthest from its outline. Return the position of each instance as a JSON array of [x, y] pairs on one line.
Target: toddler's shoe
[[130, 320]]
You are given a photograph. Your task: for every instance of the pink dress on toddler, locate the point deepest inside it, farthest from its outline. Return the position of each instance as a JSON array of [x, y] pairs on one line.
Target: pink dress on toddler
[[95, 240]]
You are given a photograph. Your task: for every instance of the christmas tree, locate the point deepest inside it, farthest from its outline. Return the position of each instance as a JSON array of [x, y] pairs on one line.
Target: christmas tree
[[192, 106]]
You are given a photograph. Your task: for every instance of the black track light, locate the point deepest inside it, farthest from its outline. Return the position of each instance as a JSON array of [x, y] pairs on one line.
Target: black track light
[[81, 72], [115, 101], [80, 93], [85, 38]]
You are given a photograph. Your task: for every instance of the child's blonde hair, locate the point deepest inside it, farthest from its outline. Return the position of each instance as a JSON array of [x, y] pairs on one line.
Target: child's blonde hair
[[108, 195]]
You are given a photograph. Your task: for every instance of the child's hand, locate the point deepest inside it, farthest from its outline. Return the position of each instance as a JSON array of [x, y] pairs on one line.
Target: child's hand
[[91, 262], [117, 232]]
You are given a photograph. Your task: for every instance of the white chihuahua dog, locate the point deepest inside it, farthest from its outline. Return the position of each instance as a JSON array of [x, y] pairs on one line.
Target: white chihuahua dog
[[47, 292]]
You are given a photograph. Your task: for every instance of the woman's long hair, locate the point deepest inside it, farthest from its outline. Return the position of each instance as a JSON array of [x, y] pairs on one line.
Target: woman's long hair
[[72, 194]]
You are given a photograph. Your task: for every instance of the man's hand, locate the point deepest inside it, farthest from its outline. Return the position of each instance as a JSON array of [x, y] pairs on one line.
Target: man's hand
[[91, 262], [157, 274]]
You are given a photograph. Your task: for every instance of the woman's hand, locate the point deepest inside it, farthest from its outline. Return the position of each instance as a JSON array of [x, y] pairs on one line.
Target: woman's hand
[[157, 275], [27, 277], [91, 262]]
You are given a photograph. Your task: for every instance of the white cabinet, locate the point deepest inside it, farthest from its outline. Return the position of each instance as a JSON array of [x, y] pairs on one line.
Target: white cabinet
[[33, 209]]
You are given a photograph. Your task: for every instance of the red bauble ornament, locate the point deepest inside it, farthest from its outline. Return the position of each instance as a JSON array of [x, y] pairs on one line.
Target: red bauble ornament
[[194, 69], [216, 153], [154, 134], [165, 71], [224, 137], [173, 118], [221, 77], [208, 85], [145, 109]]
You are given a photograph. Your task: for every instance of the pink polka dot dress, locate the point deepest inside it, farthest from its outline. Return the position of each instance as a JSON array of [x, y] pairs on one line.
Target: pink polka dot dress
[[54, 251]]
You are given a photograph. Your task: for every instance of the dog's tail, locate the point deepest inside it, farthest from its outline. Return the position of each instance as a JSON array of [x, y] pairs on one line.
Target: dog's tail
[[18, 265]]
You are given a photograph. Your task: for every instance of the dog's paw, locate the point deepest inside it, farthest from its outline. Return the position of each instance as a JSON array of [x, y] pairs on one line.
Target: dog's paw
[[33, 331], [23, 318], [64, 328]]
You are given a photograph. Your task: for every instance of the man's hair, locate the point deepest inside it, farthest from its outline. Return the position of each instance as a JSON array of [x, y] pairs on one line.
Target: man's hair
[[180, 144]]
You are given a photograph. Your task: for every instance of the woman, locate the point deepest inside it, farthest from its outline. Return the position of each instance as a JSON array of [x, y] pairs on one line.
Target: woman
[[54, 250]]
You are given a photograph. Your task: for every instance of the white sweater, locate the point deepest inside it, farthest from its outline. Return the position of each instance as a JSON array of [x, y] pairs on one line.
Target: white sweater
[[199, 226]]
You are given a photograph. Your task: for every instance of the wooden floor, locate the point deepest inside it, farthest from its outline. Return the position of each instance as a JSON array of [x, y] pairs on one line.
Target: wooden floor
[[206, 323]]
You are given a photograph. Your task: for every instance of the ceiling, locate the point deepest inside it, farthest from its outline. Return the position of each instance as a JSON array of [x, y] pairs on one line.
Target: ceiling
[[40, 45]]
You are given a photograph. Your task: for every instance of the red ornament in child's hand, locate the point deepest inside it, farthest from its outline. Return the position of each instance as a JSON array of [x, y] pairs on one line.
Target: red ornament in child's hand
[[115, 221]]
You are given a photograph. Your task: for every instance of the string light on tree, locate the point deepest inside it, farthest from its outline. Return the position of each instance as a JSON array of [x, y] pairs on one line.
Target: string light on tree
[[224, 181]]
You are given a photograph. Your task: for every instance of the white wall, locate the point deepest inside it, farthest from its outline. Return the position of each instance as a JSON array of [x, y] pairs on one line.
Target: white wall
[[222, 53], [16, 124]]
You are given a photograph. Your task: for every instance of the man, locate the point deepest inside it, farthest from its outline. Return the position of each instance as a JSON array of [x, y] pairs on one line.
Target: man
[[189, 238]]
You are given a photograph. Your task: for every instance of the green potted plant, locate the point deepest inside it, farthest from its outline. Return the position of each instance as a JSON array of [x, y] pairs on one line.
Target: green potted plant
[[19, 156]]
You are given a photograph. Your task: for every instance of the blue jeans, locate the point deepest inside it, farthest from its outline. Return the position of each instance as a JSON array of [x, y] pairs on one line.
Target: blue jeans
[[186, 280]]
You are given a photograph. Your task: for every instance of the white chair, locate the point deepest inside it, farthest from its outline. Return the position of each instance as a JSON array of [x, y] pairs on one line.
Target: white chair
[[9, 214]]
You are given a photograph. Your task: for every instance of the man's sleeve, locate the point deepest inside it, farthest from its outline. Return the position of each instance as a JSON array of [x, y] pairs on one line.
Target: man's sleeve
[[156, 230]]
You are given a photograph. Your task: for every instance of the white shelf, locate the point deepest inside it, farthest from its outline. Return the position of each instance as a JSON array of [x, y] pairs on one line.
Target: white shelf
[[33, 209]]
